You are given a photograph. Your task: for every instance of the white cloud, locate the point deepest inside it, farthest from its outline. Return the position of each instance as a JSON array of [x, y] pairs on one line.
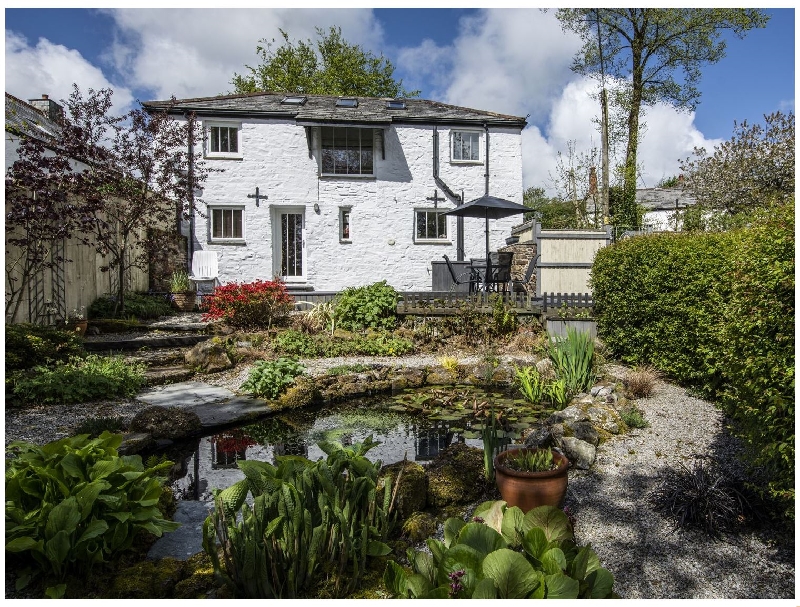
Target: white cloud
[[194, 53], [51, 69]]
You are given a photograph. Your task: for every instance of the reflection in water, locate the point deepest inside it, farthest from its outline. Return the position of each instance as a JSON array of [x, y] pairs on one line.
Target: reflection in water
[[213, 464]]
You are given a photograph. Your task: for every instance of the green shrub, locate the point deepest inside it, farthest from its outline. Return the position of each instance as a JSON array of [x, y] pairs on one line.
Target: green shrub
[[715, 311], [80, 380], [504, 317], [371, 307], [503, 554], [139, 305], [633, 417], [269, 378], [30, 345], [347, 369], [74, 503], [310, 522]]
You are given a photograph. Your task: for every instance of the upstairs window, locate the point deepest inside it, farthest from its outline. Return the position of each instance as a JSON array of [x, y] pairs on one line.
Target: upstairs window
[[347, 151], [466, 146], [429, 225], [223, 140]]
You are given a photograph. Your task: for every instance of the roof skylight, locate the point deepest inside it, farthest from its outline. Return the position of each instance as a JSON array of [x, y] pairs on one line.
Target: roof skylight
[[294, 100], [347, 102], [396, 104]]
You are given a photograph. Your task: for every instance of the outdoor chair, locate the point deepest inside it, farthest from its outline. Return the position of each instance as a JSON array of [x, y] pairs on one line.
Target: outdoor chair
[[469, 277], [205, 268]]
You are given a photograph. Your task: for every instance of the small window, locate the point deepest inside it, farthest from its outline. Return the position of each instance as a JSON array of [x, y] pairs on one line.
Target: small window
[[347, 151], [396, 104], [430, 225], [294, 100], [223, 140], [347, 102], [344, 224], [227, 223], [466, 146]]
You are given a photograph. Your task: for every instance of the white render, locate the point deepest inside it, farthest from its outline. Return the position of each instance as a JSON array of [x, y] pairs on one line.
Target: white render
[[275, 158]]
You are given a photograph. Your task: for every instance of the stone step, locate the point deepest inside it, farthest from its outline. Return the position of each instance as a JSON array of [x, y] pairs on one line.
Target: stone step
[[135, 343], [159, 376]]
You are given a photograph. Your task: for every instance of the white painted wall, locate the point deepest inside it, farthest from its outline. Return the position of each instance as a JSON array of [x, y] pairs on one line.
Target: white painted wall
[[275, 158]]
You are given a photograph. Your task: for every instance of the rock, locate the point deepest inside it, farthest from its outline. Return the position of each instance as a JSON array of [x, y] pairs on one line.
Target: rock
[[580, 453], [92, 330], [605, 418], [200, 581], [135, 442], [545, 435], [585, 431], [148, 580], [568, 415], [302, 392], [440, 377], [456, 476], [209, 356], [545, 368], [173, 423], [412, 493], [419, 526]]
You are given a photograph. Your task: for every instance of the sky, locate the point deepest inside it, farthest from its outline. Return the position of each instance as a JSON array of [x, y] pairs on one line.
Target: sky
[[510, 60]]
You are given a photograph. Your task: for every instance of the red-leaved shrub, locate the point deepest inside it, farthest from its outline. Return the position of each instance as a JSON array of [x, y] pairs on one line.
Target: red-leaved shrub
[[252, 305]]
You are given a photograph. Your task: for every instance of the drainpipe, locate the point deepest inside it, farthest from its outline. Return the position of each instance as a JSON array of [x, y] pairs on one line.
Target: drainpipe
[[486, 129], [444, 187], [190, 177]]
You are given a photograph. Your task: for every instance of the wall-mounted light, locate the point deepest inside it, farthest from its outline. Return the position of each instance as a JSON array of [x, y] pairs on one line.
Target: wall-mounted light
[[316, 208]]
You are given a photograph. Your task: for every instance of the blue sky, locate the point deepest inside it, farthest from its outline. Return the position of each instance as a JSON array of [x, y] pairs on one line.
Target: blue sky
[[507, 60]]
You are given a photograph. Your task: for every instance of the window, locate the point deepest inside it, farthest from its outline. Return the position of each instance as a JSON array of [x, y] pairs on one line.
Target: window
[[344, 224], [227, 223], [223, 140], [347, 102], [395, 104], [466, 146], [346, 151], [429, 225], [294, 100]]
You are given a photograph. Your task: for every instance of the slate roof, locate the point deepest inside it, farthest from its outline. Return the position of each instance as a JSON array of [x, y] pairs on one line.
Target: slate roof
[[321, 109], [23, 118]]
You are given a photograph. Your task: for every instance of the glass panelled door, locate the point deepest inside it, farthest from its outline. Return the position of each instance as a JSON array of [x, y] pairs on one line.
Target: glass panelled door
[[292, 243]]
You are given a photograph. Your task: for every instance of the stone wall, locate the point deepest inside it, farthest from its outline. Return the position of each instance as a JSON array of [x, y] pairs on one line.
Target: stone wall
[[523, 253], [277, 158]]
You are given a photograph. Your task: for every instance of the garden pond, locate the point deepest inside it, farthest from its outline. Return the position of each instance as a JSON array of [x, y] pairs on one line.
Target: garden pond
[[416, 424]]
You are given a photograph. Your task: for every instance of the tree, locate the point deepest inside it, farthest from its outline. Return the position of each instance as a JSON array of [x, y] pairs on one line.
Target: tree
[[39, 215], [552, 213], [336, 67], [647, 47], [755, 166], [139, 179]]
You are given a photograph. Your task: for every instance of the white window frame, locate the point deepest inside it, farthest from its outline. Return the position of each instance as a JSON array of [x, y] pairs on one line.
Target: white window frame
[[208, 125], [346, 210], [226, 239], [453, 158], [370, 133], [445, 240]]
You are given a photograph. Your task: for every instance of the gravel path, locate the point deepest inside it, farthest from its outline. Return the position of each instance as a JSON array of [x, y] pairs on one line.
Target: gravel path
[[638, 545]]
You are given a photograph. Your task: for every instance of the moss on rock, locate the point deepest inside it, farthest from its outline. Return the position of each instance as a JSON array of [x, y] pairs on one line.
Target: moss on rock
[[200, 580], [301, 393], [173, 423], [455, 476], [148, 580], [419, 526], [411, 495]]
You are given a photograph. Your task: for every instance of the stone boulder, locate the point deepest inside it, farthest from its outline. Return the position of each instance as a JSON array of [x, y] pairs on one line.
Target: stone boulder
[[172, 423], [456, 476], [580, 453], [302, 392], [412, 493], [209, 356]]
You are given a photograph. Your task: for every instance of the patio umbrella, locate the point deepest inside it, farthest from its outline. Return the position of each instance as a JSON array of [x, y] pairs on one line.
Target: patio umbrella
[[488, 207]]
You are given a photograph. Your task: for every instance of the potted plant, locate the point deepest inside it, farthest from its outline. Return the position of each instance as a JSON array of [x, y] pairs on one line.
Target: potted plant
[[76, 321], [528, 478], [184, 296]]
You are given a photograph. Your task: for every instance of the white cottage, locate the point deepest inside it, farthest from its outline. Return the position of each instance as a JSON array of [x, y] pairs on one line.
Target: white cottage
[[330, 192]]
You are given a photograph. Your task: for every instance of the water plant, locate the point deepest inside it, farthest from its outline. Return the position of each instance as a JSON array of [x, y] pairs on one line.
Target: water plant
[[573, 359], [557, 392], [503, 553], [530, 383], [75, 503], [310, 521]]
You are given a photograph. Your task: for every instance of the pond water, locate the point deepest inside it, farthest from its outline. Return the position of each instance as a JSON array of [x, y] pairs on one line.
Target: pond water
[[416, 424]]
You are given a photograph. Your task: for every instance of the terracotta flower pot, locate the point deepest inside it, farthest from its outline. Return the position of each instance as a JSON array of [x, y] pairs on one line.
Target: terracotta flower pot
[[529, 490], [185, 302], [77, 326]]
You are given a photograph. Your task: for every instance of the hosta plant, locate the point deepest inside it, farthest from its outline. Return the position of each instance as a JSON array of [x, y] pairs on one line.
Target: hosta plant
[[310, 522], [74, 503], [506, 554]]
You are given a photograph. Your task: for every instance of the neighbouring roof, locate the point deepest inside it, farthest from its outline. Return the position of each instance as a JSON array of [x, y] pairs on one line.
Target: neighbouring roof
[[321, 109], [24, 119], [664, 199]]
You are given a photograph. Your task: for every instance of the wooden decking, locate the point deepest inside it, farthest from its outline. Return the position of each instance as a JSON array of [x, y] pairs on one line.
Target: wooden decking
[[444, 303]]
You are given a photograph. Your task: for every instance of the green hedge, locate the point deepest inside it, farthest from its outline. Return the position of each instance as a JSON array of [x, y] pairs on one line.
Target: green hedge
[[714, 311]]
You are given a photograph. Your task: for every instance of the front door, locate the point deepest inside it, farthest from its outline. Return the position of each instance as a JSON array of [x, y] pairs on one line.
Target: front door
[[290, 241]]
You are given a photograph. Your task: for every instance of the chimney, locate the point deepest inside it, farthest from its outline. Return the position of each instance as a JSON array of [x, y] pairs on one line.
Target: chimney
[[48, 107]]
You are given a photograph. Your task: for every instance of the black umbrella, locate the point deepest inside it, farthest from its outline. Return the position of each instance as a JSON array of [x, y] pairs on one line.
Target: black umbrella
[[488, 207]]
